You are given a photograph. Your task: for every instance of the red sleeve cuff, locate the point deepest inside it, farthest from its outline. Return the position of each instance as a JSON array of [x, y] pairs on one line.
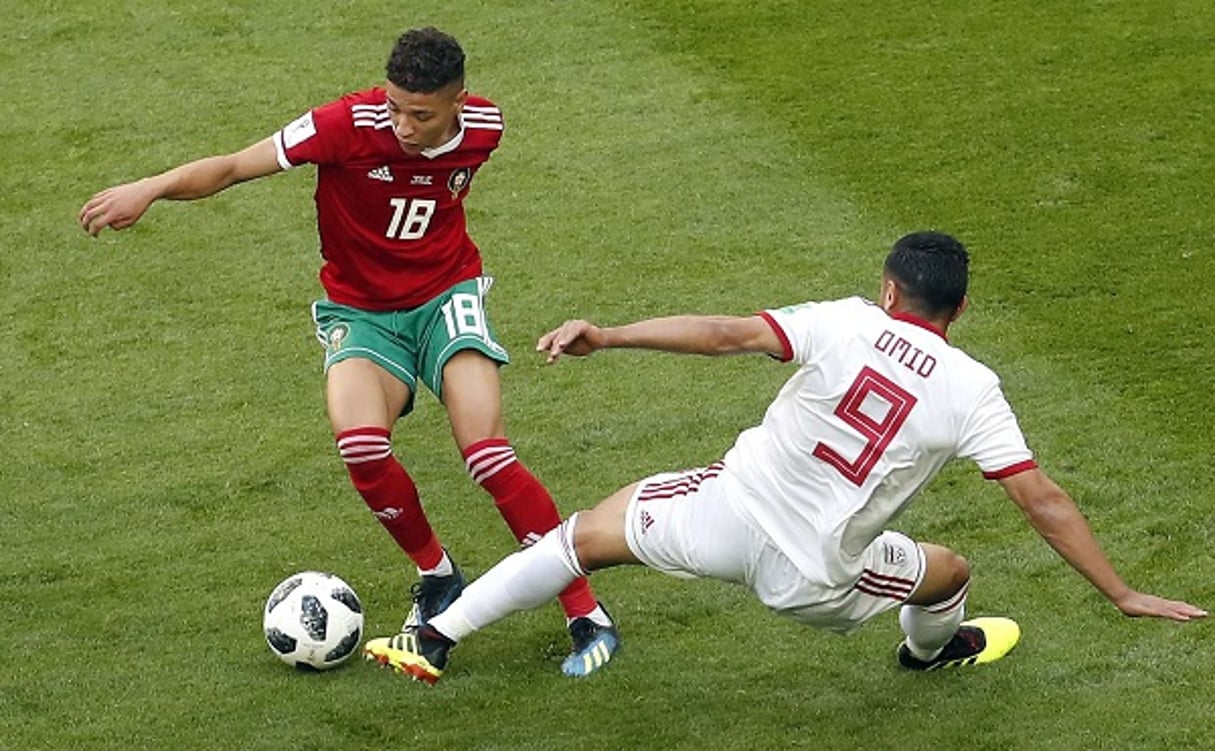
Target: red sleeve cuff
[[786, 348], [1011, 470]]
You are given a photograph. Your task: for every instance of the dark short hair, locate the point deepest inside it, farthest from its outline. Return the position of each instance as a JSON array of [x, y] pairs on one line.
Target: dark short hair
[[931, 269], [425, 60]]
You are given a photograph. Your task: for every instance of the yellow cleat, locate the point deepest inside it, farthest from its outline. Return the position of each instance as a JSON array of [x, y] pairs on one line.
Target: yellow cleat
[[977, 642], [420, 653]]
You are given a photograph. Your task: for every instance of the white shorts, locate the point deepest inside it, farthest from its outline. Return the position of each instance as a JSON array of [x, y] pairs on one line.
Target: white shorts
[[683, 524]]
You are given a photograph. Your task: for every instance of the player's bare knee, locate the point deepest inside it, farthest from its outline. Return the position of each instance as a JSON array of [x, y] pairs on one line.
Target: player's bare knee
[[599, 540], [587, 538], [946, 574], [960, 570]]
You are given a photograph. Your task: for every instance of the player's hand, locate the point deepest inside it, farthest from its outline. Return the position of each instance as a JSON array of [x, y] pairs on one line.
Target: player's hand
[[1138, 604], [117, 208], [577, 337]]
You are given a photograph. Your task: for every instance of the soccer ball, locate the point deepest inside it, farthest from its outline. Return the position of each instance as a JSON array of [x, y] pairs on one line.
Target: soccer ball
[[313, 620]]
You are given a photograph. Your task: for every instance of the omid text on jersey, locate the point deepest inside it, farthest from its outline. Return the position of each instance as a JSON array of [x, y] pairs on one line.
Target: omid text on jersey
[[905, 353]]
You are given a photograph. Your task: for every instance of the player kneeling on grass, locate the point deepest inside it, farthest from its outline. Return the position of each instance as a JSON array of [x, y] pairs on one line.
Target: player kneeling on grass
[[797, 509]]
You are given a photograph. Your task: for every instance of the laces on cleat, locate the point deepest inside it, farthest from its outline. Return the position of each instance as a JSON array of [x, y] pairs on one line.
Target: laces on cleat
[[432, 595]]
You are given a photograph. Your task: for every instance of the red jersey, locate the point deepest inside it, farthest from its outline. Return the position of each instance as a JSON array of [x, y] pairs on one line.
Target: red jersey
[[391, 225]]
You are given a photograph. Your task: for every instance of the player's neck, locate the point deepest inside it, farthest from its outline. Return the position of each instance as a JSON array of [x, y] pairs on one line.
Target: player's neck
[[940, 324], [457, 125]]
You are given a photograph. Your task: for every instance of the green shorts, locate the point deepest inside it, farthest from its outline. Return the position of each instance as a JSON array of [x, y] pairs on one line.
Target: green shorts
[[412, 344]]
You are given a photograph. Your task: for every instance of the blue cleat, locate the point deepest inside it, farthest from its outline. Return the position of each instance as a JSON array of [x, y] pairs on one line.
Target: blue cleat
[[594, 646]]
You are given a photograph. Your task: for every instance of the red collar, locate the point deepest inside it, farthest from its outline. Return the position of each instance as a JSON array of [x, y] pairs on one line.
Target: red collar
[[917, 321]]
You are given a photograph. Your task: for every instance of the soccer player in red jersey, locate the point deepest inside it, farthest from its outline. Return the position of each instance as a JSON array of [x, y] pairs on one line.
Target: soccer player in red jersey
[[404, 298]]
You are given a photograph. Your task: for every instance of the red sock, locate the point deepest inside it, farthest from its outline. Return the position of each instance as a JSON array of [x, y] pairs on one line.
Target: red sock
[[389, 492], [526, 506]]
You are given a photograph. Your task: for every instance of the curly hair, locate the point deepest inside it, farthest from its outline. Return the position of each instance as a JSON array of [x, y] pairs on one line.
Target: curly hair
[[425, 60]]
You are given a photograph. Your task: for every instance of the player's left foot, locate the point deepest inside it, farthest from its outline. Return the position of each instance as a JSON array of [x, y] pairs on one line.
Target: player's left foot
[[594, 645], [419, 652], [976, 642]]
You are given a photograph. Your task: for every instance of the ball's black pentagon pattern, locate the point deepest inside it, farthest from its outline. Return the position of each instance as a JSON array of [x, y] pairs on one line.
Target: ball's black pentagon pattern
[[313, 617], [280, 642], [347, 597], [345, 646], [282, 590]]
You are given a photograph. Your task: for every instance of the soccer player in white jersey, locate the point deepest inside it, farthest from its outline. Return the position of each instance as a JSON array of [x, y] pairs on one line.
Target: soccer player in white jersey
[[798, 509]]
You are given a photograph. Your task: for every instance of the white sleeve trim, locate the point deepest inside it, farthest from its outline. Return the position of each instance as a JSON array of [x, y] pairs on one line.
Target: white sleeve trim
[[280, 152]]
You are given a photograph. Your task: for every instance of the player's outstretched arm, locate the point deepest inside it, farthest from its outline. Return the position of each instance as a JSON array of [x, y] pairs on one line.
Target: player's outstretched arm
[[121, 206], [696, 335], [1053, 514]]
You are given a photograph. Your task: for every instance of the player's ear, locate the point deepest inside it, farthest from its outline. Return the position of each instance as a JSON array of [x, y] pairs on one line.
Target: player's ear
[[890, 293]]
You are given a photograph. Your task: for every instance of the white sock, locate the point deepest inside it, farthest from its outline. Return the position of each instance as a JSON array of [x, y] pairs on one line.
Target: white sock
[[444, 568], [930, 627], [521, 581], [598, 615]]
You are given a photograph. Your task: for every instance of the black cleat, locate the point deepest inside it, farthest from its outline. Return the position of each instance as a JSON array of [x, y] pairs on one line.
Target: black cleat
[[432, 595]]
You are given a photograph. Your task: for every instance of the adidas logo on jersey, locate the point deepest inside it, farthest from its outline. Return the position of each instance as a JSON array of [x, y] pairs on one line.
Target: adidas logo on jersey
[[647, 521], [381, 173]]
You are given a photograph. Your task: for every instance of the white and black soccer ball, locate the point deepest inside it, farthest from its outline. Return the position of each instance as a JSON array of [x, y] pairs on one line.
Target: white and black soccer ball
[[313, 620]]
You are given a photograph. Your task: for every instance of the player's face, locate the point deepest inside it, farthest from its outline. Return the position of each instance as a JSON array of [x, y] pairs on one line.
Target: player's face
[[423, 121]]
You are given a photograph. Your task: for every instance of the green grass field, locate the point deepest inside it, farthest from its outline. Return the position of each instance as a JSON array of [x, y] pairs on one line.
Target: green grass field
[[167, 459]]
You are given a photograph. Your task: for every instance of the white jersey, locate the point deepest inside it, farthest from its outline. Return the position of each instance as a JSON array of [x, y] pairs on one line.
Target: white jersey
[[879, 405]]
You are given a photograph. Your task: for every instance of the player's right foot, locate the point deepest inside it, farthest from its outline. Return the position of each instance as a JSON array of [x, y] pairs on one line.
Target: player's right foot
[[976, 642], [432, 595], [419, 652]]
